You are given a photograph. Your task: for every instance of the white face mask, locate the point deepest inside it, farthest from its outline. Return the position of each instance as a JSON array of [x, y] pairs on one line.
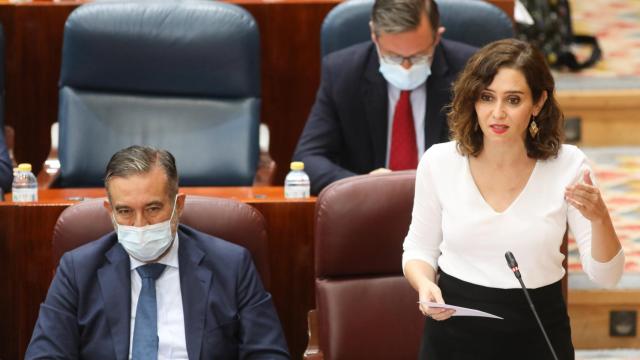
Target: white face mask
[[146, 243], [405, 79]]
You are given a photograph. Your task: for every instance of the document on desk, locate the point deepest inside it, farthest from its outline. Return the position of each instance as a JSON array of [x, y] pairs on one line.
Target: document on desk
[[460, 311]]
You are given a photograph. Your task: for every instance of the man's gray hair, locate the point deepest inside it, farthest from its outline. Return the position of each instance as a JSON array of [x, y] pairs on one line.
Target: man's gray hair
[[137, 159], [397, 16]]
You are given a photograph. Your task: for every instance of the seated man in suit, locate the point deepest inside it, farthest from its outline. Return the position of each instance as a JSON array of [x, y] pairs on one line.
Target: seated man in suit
[[380, 103], [154, 289], [6, 170]]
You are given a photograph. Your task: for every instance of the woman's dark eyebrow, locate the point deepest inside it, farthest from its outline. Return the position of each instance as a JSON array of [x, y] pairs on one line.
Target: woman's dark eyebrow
[[508, 92]]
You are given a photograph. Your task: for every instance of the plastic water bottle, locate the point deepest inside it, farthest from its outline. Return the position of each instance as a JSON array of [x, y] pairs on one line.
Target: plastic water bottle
[[296, 184], [25, 185]]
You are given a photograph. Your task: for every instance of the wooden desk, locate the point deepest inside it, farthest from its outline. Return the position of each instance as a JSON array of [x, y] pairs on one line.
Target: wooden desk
[[290, 66], [26, 266]]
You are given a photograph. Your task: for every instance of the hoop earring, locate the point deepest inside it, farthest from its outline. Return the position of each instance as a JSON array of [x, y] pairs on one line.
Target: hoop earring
[[533, 127]]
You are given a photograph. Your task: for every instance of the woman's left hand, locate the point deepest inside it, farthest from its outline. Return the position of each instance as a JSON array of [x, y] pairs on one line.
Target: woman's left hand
[[587, 199]]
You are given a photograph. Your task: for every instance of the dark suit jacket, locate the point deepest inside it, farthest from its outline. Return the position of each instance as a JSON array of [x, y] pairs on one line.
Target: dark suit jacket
[[346, 133], [227, 313], [6, 170]]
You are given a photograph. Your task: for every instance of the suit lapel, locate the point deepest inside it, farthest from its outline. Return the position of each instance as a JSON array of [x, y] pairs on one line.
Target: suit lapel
[[376, 103], [115, 285], [195, 281], [438, 90]]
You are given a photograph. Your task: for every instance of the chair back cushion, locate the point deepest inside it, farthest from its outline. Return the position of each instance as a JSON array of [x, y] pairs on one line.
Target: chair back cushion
[[361, 223], [187, 48], [215, 142], [472, 22], [227, 219], [183, 76], [366, 308]]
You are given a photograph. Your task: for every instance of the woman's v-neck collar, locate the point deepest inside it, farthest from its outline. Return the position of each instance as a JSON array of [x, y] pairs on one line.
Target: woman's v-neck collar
[[514, 202]]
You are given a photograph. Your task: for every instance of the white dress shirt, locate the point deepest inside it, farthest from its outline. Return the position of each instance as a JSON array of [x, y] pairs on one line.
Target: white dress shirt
[[454, 228], [418, 106], [172, 342]]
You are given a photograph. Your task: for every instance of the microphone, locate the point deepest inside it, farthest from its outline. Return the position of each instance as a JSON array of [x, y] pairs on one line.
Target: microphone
[[513, 264]]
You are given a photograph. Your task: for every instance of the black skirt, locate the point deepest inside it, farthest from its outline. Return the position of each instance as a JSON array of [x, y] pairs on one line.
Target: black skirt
[[517, 336]]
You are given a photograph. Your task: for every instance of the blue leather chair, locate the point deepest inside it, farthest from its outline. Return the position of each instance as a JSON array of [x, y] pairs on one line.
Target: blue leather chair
[[183, 76], [474, 22]]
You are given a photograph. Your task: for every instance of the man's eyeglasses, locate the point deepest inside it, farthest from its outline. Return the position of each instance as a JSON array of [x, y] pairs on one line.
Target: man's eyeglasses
[[414, 60]]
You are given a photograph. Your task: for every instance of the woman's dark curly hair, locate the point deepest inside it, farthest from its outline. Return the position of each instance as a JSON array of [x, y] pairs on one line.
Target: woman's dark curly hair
[[478, 75]]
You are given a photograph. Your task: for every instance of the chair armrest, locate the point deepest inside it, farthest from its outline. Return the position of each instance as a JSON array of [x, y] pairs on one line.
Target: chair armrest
[[50, 170], [266, 170], [266, 166], [313, 352], [10, 140]]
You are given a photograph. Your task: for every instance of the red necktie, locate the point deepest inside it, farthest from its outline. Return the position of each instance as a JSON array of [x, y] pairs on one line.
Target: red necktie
[[404, 150]]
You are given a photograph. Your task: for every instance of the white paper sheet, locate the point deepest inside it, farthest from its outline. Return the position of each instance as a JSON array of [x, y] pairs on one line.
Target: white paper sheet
[[460, 311]]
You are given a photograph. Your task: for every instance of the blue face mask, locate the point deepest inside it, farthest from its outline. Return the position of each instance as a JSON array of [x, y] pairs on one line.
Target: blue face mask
[[146, 243], [405, 79]]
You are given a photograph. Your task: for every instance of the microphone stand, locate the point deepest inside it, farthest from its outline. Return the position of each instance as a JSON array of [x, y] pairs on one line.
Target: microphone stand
[[511, 260]]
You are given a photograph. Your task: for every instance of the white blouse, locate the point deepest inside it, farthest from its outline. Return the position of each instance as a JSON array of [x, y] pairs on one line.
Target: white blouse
[[454, 228]]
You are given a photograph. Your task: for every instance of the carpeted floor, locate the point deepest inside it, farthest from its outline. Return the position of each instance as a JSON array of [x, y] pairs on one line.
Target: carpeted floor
[[616, 24]]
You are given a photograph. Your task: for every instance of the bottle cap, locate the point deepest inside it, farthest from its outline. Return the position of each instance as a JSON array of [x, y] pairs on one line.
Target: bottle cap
[[24, 167], [297, 165]]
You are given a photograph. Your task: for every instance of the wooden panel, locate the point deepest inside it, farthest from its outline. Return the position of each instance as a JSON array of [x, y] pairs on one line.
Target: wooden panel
[[290, 231], [589, 313], [290, 38], [27, 269], [32, 66], [608, 117], [25, 265], [506, 6]]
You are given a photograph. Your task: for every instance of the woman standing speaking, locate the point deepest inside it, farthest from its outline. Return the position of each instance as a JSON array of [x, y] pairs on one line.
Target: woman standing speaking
[[505, 183]]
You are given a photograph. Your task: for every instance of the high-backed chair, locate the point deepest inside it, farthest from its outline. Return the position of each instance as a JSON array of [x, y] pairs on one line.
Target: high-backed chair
[[365, 309], [474, 22], [228, 219], [178, 75]]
